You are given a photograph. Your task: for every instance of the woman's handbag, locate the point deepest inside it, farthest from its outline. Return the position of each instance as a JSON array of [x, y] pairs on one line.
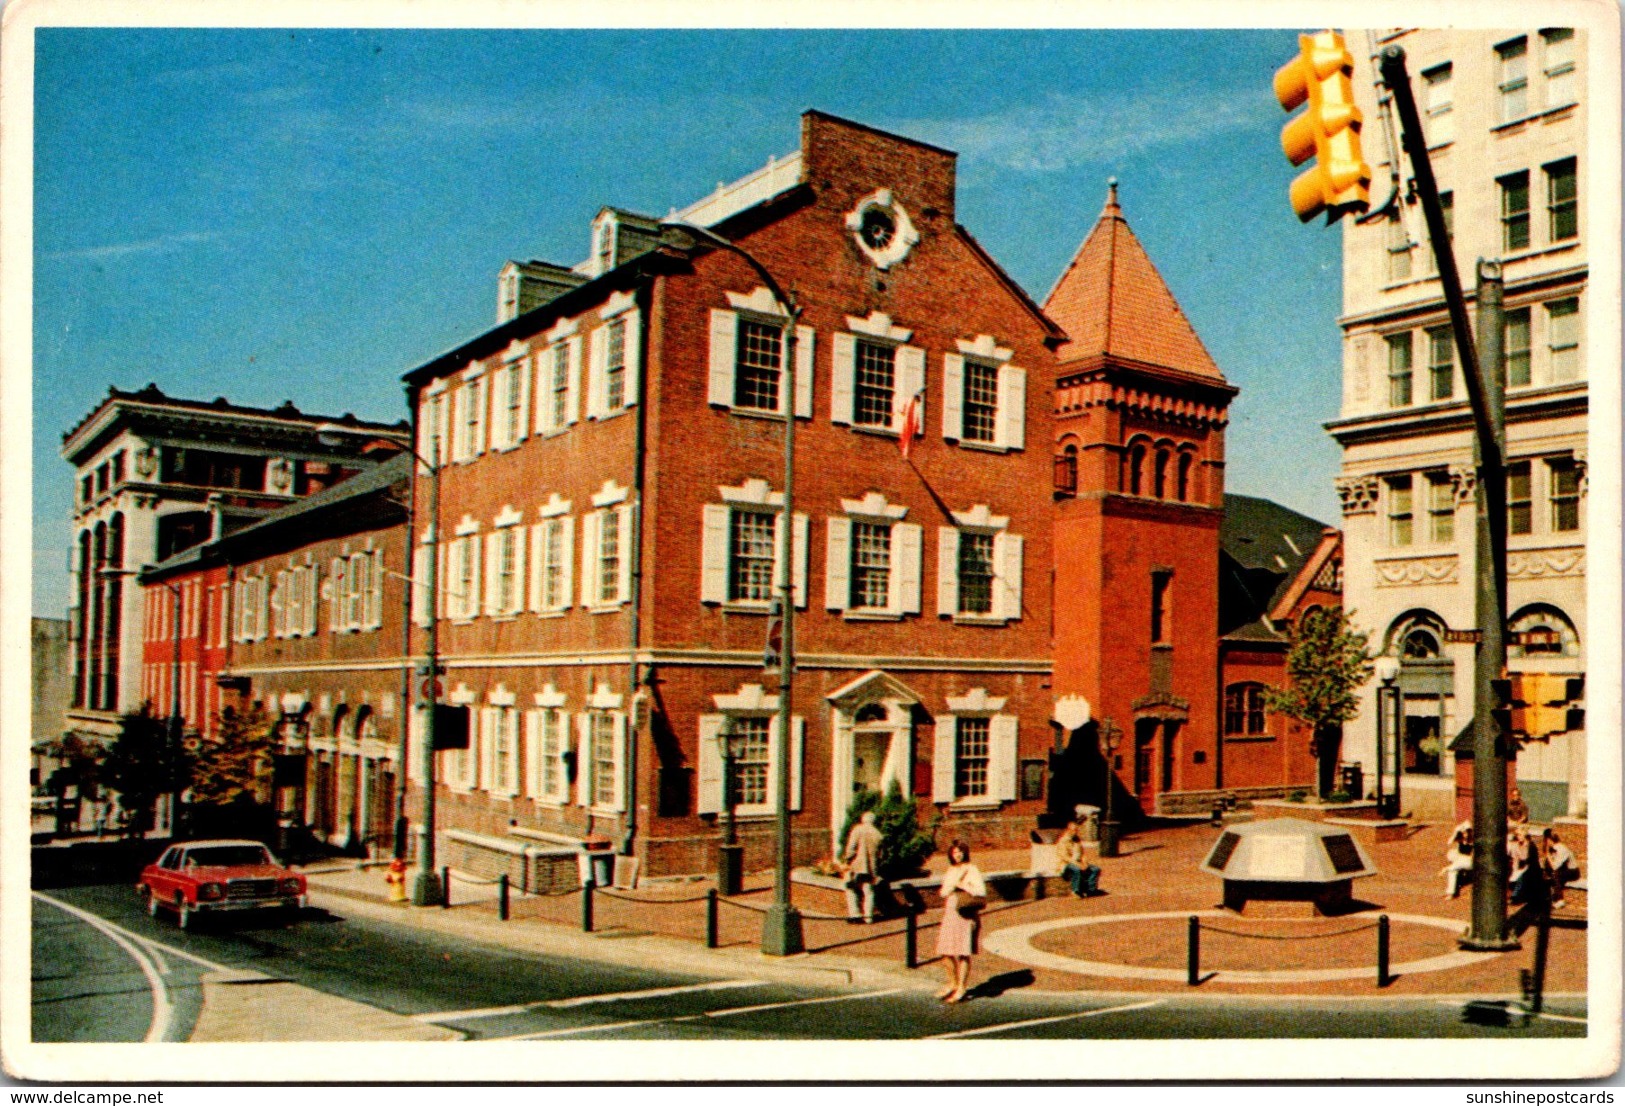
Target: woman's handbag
[[970, 905]]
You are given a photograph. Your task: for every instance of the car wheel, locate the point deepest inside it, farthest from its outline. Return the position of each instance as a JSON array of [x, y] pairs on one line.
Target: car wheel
[[184, 916], [152, 901]]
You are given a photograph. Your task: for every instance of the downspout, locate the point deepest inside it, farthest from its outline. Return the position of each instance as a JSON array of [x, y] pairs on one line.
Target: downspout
[[636, 697], [408, 544]]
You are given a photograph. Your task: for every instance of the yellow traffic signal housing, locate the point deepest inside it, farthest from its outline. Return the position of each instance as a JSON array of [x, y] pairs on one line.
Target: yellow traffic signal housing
[[1544, 704], [1340, 180]]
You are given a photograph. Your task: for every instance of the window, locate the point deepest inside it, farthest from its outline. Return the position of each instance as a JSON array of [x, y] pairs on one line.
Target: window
[[1399, 510], [550, 573], [1513, 79], [981, 402], [1066, 471], [1160, 475], [1399, 370], [506, 570], [606, 557], [875, 384], [605, 766], [1562, 200], [559, 384], [1186, 459], [1564, 476], [1244, 710], [462, 599], [471, 427], [1161, 632], [548, 742], [1399, 248], [976, 575], [615, 366], [514, 430], [752, 760], [871, 566], [503, 743], [356, 593], [1514, 211], [1136, 468], [612, 377], [1447, 205], [609, 563], [1520, 505], [1563, 338], [972, 747], [751, 555], [1437, 102], [1441, 508], [758, 366], [435, 442], [1441, 362], [1517, 347], [1559, 66]]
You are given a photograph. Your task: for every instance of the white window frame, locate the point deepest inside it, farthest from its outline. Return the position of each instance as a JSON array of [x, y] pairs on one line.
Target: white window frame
[[612, 508], [603, 702], [1010, 409], [499, 766], [505, 546], [758, 306], [514, 372], [548, 717], [903, 590], [1512, 80], [1438, 104], [1561, 79], [460, 580], [621, 308], [469, 404], [1003, 752], [562, 340], [1563, 346], [716, 545], [552, 542], [908, 371], [464, 770], [749, 701], [1008, 567]]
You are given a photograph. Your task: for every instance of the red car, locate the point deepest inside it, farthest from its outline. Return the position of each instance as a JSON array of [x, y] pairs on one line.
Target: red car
[[203, 877]]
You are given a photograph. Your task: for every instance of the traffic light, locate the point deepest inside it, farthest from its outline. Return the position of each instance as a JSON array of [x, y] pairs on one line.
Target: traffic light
[[1543, 704], [1329, 131]]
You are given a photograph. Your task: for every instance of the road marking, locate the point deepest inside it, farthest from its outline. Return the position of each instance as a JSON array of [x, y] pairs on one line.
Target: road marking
[[653, 992], [574, 1029], [783, 1005], [1542, 1014], [1044, 1021], [160, 994], [469, 1015]]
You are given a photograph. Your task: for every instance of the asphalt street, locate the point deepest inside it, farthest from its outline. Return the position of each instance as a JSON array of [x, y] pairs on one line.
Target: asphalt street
[[90, 984]]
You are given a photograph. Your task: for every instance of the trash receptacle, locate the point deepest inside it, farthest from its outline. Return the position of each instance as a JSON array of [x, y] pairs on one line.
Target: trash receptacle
[[598, 867], [1351, 778], [1089, 821]]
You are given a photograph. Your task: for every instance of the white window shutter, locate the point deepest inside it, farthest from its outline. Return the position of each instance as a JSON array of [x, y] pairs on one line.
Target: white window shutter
[[279, 625], [942, 760], [619, 802], [948, 570], [561, 792], [475, 592], [910, 383], [488, 743], [714, 554], [1002, 758], [335, 600], [480, 398], [798, 747], [708, 777], [375, 592], [458, 431], [798, 567], [724, 351], [806, 342], [597, 348], [572, 395], [443, 601], [1007, 569], [493, 572], [953, 397], [591, 523], [496, 407], [583, 760], [533, 754], [567, 562], [623, 581], [542, 390], [517, 598], [451, 577], [534, 581], [524, 369], [906, 558], [633, 348], [843, 367], [1012, 424], [838, 564]]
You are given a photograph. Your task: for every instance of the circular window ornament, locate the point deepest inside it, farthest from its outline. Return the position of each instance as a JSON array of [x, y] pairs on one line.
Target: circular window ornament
[[882, 229]]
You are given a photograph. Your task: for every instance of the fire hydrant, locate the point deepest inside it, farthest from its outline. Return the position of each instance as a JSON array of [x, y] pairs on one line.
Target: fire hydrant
[[396, 879]]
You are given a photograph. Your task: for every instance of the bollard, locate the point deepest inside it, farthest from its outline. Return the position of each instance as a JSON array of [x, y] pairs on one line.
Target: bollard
[[1383, 978], [711, 918], [1193, 952], [1543, 934], [445, 887], [911, 940], [502, 896], [1040, 885], [586, 907]]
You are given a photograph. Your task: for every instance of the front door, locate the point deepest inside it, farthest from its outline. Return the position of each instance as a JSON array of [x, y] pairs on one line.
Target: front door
[[869, 751], [1145, 749]]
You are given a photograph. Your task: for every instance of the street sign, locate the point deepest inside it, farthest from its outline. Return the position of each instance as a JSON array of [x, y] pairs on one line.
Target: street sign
[[1463, 637], [434, 689]]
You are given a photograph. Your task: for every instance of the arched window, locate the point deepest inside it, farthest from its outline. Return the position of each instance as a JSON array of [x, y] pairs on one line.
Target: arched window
[[1160, 485], [1541, 630], [341, 718], [1184, 490], [1419, 643], [873, 712], [1244, 710], [1136, 469], [1066, 470]]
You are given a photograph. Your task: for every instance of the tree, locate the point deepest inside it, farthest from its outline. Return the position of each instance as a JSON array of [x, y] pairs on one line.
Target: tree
[[231, 774], [903, 845], [142, 764], [1326, 663]]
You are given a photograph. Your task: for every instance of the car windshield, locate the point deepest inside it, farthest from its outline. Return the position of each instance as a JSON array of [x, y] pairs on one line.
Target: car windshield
[[223, 856]]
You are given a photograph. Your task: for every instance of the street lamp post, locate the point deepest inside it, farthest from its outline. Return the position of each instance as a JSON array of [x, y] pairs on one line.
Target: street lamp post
[[730, 854], [426, 889], [1110, 738], [1390, 744], [781, 926]]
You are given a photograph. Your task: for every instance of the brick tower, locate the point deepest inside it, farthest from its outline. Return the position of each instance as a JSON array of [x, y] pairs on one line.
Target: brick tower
[[1139, 424]]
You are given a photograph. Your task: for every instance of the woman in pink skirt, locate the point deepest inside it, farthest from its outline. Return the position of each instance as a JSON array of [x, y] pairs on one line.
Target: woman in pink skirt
[[956, 938]]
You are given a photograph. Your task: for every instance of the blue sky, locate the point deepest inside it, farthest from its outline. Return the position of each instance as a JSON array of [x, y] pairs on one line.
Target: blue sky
[[307, 214]]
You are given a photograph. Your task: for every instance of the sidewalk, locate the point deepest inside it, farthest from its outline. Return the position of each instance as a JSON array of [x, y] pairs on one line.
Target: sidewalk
[[1131, 939]]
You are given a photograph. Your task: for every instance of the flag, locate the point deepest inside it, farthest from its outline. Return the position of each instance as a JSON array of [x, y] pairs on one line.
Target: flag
[[912, 418]]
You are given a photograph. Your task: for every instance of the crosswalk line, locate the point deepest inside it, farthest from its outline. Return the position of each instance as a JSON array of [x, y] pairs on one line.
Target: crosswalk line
[[470, 1015], [652, 992], [729, 1012], [1002, 1026]]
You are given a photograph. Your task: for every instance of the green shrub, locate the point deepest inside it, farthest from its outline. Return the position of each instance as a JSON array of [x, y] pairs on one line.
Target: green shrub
[[1298, 796], [1339, 796], [903, 844]]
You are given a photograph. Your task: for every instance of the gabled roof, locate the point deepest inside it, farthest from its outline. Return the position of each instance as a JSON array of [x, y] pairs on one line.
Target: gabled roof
[[1264, 547], [1113, 303]]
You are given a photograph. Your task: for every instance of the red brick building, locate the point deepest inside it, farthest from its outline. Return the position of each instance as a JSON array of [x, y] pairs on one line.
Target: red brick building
[[612, 469], [1139, 418]]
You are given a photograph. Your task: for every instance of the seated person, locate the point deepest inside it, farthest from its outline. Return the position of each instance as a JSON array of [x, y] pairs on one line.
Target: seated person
[[1560, 863], [1084, 877]]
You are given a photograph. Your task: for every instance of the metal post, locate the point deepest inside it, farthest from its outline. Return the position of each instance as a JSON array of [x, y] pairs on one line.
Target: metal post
[[586, 906], [911, 939], [1107, 836], [1543, 935], [424, 890], [445, 887], [1193, 951], [502, 896], [711, 918], [1485, 393], [1382, 951], [730, 854], [174, 717]]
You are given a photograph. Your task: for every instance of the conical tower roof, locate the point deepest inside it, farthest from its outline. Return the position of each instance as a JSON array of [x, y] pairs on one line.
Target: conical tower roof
[[1112, 303]]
